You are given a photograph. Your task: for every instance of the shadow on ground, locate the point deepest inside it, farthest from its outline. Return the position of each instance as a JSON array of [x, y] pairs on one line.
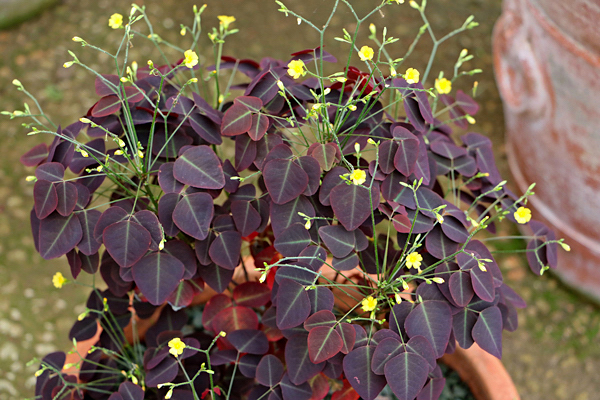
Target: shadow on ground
[[555, 353]]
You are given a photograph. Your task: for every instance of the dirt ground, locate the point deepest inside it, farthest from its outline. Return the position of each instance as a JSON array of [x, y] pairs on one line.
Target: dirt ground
[[554, 355]]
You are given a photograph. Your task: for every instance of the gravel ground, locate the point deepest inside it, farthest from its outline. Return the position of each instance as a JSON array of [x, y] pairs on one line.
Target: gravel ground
[[555, 353]]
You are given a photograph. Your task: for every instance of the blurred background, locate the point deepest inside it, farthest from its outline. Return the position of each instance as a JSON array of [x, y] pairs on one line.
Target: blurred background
[[555, 353]]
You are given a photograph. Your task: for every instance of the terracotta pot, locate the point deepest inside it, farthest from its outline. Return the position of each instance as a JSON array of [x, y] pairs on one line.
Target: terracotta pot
[[547, 64], [485, 374]]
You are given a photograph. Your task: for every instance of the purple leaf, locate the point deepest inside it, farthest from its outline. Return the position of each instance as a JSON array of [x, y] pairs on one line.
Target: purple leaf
[[357, 367], [52, 172], [510, 319], [269, 370], [299, 273], [386, 154], [300, 368], [285, 180], [165, 371], [447, 149], [131, 391], [324, 154], [35, 156], [167, 180], [106, 85], [284, 215], [313, 171], [315, 256], [250, 341], [462, 325], [413, 112], [260, 124], [193, 214], [483, 284], [323, 343], [206, 110], [245, 216], [58, 235], [67, 198], [406, 375], [45, 198], [237, 120], [460, 288], [216, 277], [223, 223], [199, 167], [225, 249], [387, 349], [292, 241], [94, 148], [433, 320], [247, 365], [126, 242], [323, 318], [157, 275], [293, 391], [245, 152], [421, 346], [428, 200], [321, 298], [88, 220], [149, 220], [347, 263], [107, 105], [511, 296], [338, 240], [398, 316], [455, 230], [487, 331], [392, 190], [433, 390], [206, 128], [183, 295], [408, 150], [402, 223], [439, 245], [110, 216], [351, 205], [348, 335], [293, 305], [252, 294], [231, 319], [331, 180]]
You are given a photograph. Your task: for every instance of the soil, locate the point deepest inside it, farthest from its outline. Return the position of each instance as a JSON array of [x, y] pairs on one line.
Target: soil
[[555, 353]]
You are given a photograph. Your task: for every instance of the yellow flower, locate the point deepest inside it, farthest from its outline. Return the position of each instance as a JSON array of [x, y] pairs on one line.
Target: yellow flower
[[443, 86], [411, 75], [58, 280], [176, 346], [399, 1], [191, 58], [366, 53], [369, 304], [115, 21], [522, 215], [413, 260], [296, 68], [358, 176], [225, 20]]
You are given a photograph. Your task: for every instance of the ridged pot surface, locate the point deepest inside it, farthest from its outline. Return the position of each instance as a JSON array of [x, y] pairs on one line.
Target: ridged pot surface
[[547, 62]]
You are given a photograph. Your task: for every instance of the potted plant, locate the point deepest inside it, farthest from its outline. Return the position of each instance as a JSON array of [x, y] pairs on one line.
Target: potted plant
[[291, 233]]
